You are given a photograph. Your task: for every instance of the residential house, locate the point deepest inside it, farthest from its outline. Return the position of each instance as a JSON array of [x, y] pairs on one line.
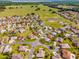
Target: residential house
[[32, 36], [64, 45], [21, 38], [54, 33], [7, 48], [1, 49], [59, 39], [65, 54], [50, 36], [47, 39], [57, 57], [76, 43], [41, 53], [21, 30], [13, 38], [23, 49], [17, 56]]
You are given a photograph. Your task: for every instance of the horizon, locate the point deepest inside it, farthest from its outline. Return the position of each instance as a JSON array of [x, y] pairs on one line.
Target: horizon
[[37, 0]]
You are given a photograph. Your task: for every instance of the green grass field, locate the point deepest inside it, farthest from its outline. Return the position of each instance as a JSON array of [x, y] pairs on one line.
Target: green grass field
[[24, 9]]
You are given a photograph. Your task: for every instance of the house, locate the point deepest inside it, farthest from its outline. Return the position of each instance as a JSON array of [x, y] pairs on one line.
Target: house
[[7, 48], [41, 53], [76, 43], [3, 31], [47, 39], [61, 30], [57, 57], [17, 56], [62, 23], [23, 49], [34, 33], [74, 30], [12, 41], [1, 49], [64, 45], [56, 49], [41, 23], [54, 33], [67, 27], [13, 38], [40, 31], [67, 35], [32, 36], [55, 43], [21, 30], [50, 36], [59, 39], [45, 28], [1, 42], [78, 34], [65, 54], [21, 38]]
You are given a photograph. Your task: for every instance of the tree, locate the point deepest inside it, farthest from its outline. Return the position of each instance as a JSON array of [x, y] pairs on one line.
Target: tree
[[2, 8], [44, 10], [53, 12], [11, 8], [50, 9], [32, 13], [36, 6], [31, 6], [37, 9], [16, 7]]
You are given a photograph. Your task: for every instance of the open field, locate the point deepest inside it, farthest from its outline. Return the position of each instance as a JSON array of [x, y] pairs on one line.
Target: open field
[[24, 9]]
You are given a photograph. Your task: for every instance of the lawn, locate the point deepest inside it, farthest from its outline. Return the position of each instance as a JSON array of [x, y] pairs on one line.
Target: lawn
[[24, 9], [48, 52], [3, 56], [45, 42]]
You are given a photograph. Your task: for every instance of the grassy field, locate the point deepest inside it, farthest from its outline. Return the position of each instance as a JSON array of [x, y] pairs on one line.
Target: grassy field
[[24, 9]]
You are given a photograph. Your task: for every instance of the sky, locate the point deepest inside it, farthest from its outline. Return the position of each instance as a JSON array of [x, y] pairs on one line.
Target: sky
[[41, 0], [33, 0], [38, 0]]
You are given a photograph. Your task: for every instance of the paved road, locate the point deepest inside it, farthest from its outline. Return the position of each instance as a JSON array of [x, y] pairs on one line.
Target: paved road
[[34, 44]]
